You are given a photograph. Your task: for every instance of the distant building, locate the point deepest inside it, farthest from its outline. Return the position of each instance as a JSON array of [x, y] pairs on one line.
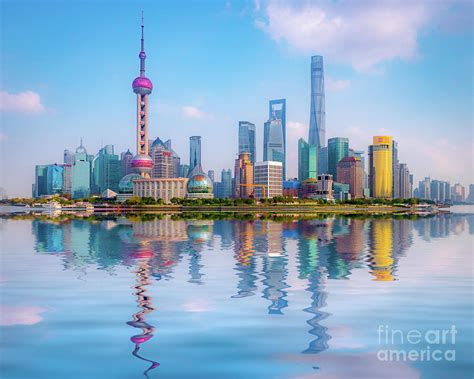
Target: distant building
[[54, 179], [268, 174], [274, 134], [126, 161], [424, 189], [361, 155], [194, 152], [68, 157], [183, 171], [243, 176], [470, 197], [224, 188], [338, 148], [380, 167], [164, 189], [458, 193], [320, 188], [307, 160], [162, 160], [247, 139], [176, 160], [404, 182], [395, 171], [323, 160], [350, 171], [106, 170], [81, 173], [211, 174]]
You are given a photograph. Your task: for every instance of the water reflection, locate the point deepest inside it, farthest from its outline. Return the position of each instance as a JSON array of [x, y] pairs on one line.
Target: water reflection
[[263, 254]]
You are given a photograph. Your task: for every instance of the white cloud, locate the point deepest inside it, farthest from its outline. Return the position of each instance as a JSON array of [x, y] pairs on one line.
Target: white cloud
[[362, 34], [21, 315], [193, 112], [335, 85], [23, 102]]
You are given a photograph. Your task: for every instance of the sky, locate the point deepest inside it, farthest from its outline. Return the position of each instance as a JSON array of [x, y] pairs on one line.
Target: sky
[[400, 68]]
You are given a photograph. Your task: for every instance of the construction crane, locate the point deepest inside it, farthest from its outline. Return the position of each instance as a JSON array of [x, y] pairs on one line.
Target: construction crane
[[263, 186]]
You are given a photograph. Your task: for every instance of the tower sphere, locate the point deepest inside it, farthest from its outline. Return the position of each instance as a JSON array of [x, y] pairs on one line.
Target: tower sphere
[[142, 164], [142, 85]]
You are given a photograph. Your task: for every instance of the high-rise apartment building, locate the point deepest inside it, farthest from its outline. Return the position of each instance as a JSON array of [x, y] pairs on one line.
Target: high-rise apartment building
[[81, 174], [274, 134], [211, 175], [268, 179], [194, 152], [351, 172], [162, 160], [380, 167], [68, 157], [424, 188], [395, 171], [404, 182], [317, 119], [458, 192], [247, 139], [338, 148], [243, 176], [226, 184]]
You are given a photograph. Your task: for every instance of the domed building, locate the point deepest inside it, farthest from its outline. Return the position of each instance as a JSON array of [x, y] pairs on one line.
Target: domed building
[[200, 186], [126, 184]]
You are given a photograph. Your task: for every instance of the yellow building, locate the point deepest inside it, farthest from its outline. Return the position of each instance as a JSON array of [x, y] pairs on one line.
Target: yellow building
[[381, 249], [243, 174], [380, 167]]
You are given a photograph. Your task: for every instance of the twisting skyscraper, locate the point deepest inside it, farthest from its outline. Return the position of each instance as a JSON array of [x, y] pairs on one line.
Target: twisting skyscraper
[[317, 118], [142, 86]]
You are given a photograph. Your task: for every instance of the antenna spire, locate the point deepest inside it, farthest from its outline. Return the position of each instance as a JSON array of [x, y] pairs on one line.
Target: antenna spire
[[142, 54]]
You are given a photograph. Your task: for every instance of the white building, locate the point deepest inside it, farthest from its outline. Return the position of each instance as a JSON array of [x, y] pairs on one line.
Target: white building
[[164, 189], [268, 179]]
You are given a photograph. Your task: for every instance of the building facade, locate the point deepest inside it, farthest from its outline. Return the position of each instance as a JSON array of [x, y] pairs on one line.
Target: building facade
[[243, 176], [380, 167], [395, 171], [247, 139], [268, 179], [164, 189], [106, 170], [162, 160], [404, 181], [194, 152], [126, 161], [274, 134], [338, 148], [317, 118], [351, 172], [323, 160]]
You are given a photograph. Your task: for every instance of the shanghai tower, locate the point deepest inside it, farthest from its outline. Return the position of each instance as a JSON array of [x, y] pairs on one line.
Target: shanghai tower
[[317, 118]]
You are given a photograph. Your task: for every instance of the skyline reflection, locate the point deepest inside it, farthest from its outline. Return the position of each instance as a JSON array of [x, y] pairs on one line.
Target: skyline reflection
[[266, 257]]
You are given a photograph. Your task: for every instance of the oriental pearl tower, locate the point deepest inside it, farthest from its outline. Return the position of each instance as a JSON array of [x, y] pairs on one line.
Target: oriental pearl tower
[[142, 86]]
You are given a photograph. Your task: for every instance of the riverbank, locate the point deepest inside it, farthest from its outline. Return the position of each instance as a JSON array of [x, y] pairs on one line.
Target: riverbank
[[343, 209]]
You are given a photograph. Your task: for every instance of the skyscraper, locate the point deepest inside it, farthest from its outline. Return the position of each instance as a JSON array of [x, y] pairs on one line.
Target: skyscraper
[[274, 134], [380, 167], [243, 175], [303, 160], [317, 118], [404, 181], [126, 159], [106, 170], [322, 160], [142, 86], [194, 152], [211, 175], [226, 183], [395, 171], [247, 139], [176, 160], [162, 160], [351, 172], [338, 148], [54, 179], [81, 180], [269, 175]]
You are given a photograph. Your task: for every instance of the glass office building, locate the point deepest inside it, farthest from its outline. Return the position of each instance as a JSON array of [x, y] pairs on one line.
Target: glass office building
[[338, 148], [247, 139], [274, 134], [194, 152], [317, 119], [81, 169]]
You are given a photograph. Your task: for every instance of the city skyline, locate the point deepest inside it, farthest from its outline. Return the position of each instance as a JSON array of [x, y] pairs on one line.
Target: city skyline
[[39, 110]]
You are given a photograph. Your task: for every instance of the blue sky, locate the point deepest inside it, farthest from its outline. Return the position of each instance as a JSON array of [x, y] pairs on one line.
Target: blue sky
[[397, 68]]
